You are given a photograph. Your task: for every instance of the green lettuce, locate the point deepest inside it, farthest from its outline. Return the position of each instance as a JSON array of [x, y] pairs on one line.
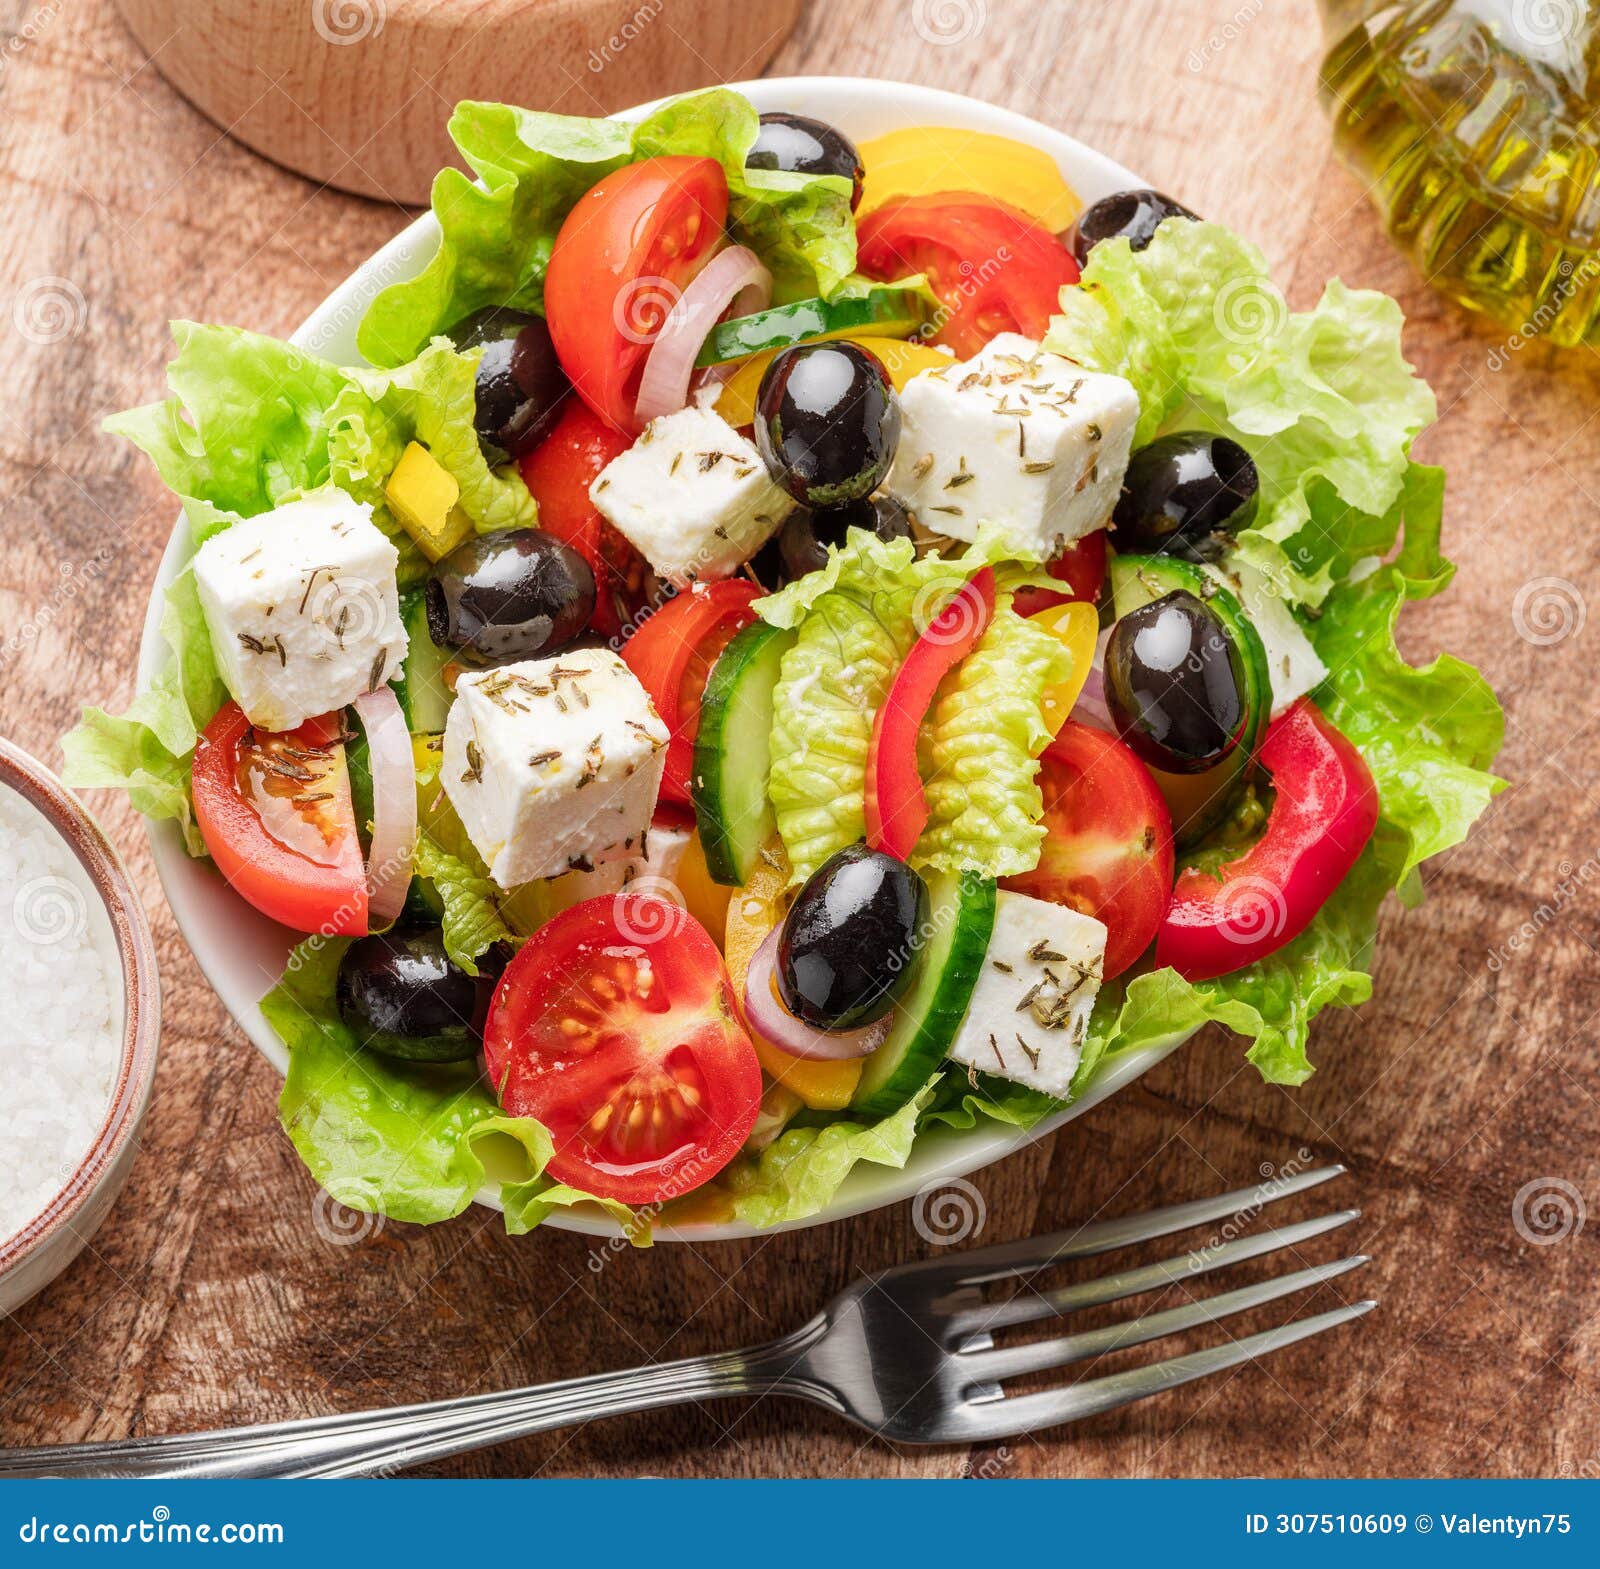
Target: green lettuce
[[1319, 398], [799, 1173], [531, 168], [856, 618], [147, 750], [411, 1141]]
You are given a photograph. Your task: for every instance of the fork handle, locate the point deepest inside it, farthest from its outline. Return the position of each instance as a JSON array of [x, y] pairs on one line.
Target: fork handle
[[366, 1442]]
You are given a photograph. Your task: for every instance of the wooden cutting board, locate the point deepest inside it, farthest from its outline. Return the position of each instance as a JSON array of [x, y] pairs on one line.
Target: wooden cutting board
[[355, 93]]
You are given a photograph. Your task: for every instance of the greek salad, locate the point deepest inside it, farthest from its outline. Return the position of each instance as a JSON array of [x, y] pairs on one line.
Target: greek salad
[[784, 646]]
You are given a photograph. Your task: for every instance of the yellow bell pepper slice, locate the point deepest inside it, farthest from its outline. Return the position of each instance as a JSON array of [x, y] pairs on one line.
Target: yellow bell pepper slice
[[736, 403], [928, 159], [752, 912], [1076, 625], [422, 493]]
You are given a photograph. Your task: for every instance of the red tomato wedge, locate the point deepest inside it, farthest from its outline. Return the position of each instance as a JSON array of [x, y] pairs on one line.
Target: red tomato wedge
[[615, 1027], [896, 804], [993, 267], [1324, 809], [672, 654], [558, 474], [1081, 570], [276, 816], [619, 264], [1108, 841]]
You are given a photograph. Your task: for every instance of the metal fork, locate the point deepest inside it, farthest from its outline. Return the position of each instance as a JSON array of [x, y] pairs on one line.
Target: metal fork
[[909, 1353]]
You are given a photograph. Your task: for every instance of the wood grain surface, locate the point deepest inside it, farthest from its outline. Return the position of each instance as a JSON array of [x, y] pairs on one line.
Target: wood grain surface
[[218, 1292]]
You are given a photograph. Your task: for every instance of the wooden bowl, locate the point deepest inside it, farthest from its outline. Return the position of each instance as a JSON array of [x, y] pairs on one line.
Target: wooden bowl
[[356, 93], [32, 1258]]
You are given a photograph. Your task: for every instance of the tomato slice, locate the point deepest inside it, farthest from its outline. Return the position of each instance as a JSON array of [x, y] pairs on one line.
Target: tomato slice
[[622, 258], [672, 654], [558, 473], [1108, 840], [1324, 809], [1081, 570], [896, 804], [615, 1027], [993, 267], [275, 814]]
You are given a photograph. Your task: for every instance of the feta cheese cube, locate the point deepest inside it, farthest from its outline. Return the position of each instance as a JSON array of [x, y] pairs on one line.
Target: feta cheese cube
[[302, 609], [692, 496], [1292, 662], [553, 765], [1015, 436], [654, 871], [1030, 1010]]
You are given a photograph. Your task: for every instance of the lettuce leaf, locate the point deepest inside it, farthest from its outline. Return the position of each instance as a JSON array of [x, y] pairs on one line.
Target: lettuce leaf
[[803, 1168], [1321, 397], [531, 168], [147, 750], [856, 619], [411, 1141], [981, 752]]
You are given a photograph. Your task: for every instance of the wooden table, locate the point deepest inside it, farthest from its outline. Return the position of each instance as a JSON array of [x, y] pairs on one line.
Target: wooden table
[[212, 1296]]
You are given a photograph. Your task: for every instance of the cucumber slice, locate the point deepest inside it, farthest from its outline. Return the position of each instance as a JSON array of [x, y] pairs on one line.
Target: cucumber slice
[[1200, 801], [424, 698], [732, 760], [881, 312], [927, 1018]]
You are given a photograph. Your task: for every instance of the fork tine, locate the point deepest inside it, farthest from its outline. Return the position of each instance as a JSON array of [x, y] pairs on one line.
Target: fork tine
[[1033, 1253], [1032, 1305], [1013, 1361], [1028, 1413]]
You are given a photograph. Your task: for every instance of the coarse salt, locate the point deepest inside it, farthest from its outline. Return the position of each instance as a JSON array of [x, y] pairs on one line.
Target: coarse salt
[[60, 1013]]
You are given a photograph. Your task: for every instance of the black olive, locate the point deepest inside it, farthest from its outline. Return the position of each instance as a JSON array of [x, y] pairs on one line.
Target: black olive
[[827, 422], [1174, 683], [801, 545], [849, 942], [521, 385], [1129, 215], [807, 146], [1186, 495], [404, 997], [509, 596]]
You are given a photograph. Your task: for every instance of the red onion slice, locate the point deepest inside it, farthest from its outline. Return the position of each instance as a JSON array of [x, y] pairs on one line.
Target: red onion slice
[[394, 804], [734, 277], [1090, 709], [773, 1022]]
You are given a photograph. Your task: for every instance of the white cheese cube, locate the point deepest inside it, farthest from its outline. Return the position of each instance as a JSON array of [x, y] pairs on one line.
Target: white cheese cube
[[1018, 437], [654, 871], [692, 496], [1292, 662], [302, 608], [553, 765], [1030, 1009]]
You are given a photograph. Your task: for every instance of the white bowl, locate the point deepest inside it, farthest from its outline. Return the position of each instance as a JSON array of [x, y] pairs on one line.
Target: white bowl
[[242, 953], [34, 1256]]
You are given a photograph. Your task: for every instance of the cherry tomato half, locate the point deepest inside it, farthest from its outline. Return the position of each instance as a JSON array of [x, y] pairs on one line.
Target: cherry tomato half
[[276, 816], [1108, 841], [558, 474], [672, 654], [994, 268], [615, 1027], [622, 258], [1081, 571]]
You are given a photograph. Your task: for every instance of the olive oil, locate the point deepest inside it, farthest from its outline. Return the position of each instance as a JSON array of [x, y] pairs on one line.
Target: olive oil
[[1475, 125]]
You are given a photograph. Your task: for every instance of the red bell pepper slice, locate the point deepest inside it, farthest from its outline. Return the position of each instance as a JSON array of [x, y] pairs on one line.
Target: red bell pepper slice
[[896, 806], [1325, 809]]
